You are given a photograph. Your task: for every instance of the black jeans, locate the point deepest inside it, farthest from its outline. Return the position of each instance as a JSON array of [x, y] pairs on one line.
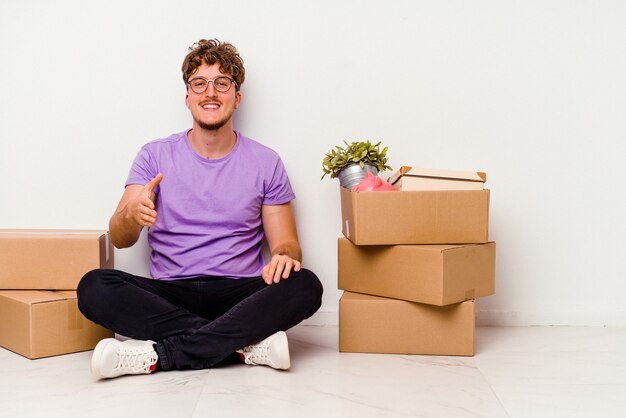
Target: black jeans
[[196, 323]]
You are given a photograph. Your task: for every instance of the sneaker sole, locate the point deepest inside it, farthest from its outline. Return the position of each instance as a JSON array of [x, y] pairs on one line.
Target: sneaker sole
[[284, 351], [97, 357]]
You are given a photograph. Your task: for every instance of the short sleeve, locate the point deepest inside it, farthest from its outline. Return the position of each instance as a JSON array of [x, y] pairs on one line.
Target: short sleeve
[[278, 189], [143, 169]]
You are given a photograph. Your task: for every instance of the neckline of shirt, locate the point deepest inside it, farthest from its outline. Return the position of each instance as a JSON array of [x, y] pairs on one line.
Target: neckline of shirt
[[207, 160]]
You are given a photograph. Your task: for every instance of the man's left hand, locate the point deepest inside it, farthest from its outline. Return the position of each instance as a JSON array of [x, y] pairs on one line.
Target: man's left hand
[[279, 267]]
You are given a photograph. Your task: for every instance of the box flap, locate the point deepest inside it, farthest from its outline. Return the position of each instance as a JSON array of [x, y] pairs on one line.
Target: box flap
[[477, 176], [32, 297], [401, 172], [50, 233], [351, 296], [457, 246], [435, 248]]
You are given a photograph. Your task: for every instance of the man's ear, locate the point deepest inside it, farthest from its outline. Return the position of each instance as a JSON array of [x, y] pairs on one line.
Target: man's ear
[[238, 97], [187, 100]]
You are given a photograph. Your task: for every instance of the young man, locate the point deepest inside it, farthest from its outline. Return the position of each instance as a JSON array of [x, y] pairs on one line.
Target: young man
[[209, 197]]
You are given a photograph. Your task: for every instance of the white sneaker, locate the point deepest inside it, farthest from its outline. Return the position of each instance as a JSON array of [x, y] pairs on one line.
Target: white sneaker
[[272, 351], [113, 358]]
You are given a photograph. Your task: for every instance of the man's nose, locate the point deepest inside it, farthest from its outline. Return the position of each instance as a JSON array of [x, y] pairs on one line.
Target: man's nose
[[210, 89]]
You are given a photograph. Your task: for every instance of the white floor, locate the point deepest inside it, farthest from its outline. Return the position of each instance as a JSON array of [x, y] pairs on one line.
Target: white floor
[[517, 372]]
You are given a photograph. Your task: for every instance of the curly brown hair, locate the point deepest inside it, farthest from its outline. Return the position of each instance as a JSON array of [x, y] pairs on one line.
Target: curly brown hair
[[213, 51]]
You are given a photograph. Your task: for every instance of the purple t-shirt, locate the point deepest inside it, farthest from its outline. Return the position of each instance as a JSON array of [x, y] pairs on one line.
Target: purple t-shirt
[[209, 211]]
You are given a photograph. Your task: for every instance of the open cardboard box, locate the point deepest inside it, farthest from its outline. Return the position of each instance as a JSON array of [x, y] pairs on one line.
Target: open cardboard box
[[51, 259], [415, 217], [433, 274], [39, 323], [371, 324], [410, 178]]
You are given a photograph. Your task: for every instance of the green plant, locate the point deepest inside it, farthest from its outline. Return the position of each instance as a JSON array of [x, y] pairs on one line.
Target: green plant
[[361, 153]]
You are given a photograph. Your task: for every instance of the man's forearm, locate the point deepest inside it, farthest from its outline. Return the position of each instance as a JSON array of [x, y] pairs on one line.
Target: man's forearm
[[123, 231]]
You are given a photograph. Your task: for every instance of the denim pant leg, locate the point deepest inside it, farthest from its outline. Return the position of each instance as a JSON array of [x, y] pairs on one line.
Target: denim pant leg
[[138, 307], [271, 309]]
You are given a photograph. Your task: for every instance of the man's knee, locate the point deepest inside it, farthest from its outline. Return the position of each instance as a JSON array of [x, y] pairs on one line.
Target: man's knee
[[311, 287], [93, 290], [87, 292], [88, 284]]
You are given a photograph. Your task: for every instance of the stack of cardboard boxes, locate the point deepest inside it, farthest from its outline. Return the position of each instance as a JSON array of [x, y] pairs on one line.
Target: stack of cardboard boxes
[[412, 262], [39, 273]]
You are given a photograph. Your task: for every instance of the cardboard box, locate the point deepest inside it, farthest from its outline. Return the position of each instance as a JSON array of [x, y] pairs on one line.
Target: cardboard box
[[371, 324], [415, 217], [409, 178], [51, 259], [433, 274], [39, 323]]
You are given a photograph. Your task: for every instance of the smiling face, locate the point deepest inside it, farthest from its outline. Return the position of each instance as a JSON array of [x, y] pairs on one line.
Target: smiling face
[[212, 109]]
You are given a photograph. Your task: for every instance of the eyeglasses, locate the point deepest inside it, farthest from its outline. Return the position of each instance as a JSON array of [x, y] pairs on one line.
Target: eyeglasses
[[200, 84]]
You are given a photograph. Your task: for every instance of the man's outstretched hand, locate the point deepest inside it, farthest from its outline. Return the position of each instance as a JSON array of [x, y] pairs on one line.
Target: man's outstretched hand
[[141, 208]]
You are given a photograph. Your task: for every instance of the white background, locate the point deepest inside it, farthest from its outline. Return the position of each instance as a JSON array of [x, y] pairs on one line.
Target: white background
[[531, 92]]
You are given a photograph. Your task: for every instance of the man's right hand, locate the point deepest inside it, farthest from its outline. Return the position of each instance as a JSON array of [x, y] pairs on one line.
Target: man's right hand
[[135, 210], [141, 207]]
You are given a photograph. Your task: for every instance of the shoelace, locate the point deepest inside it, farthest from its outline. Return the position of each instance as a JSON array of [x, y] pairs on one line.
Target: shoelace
[[137, 360], [256, 352]]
